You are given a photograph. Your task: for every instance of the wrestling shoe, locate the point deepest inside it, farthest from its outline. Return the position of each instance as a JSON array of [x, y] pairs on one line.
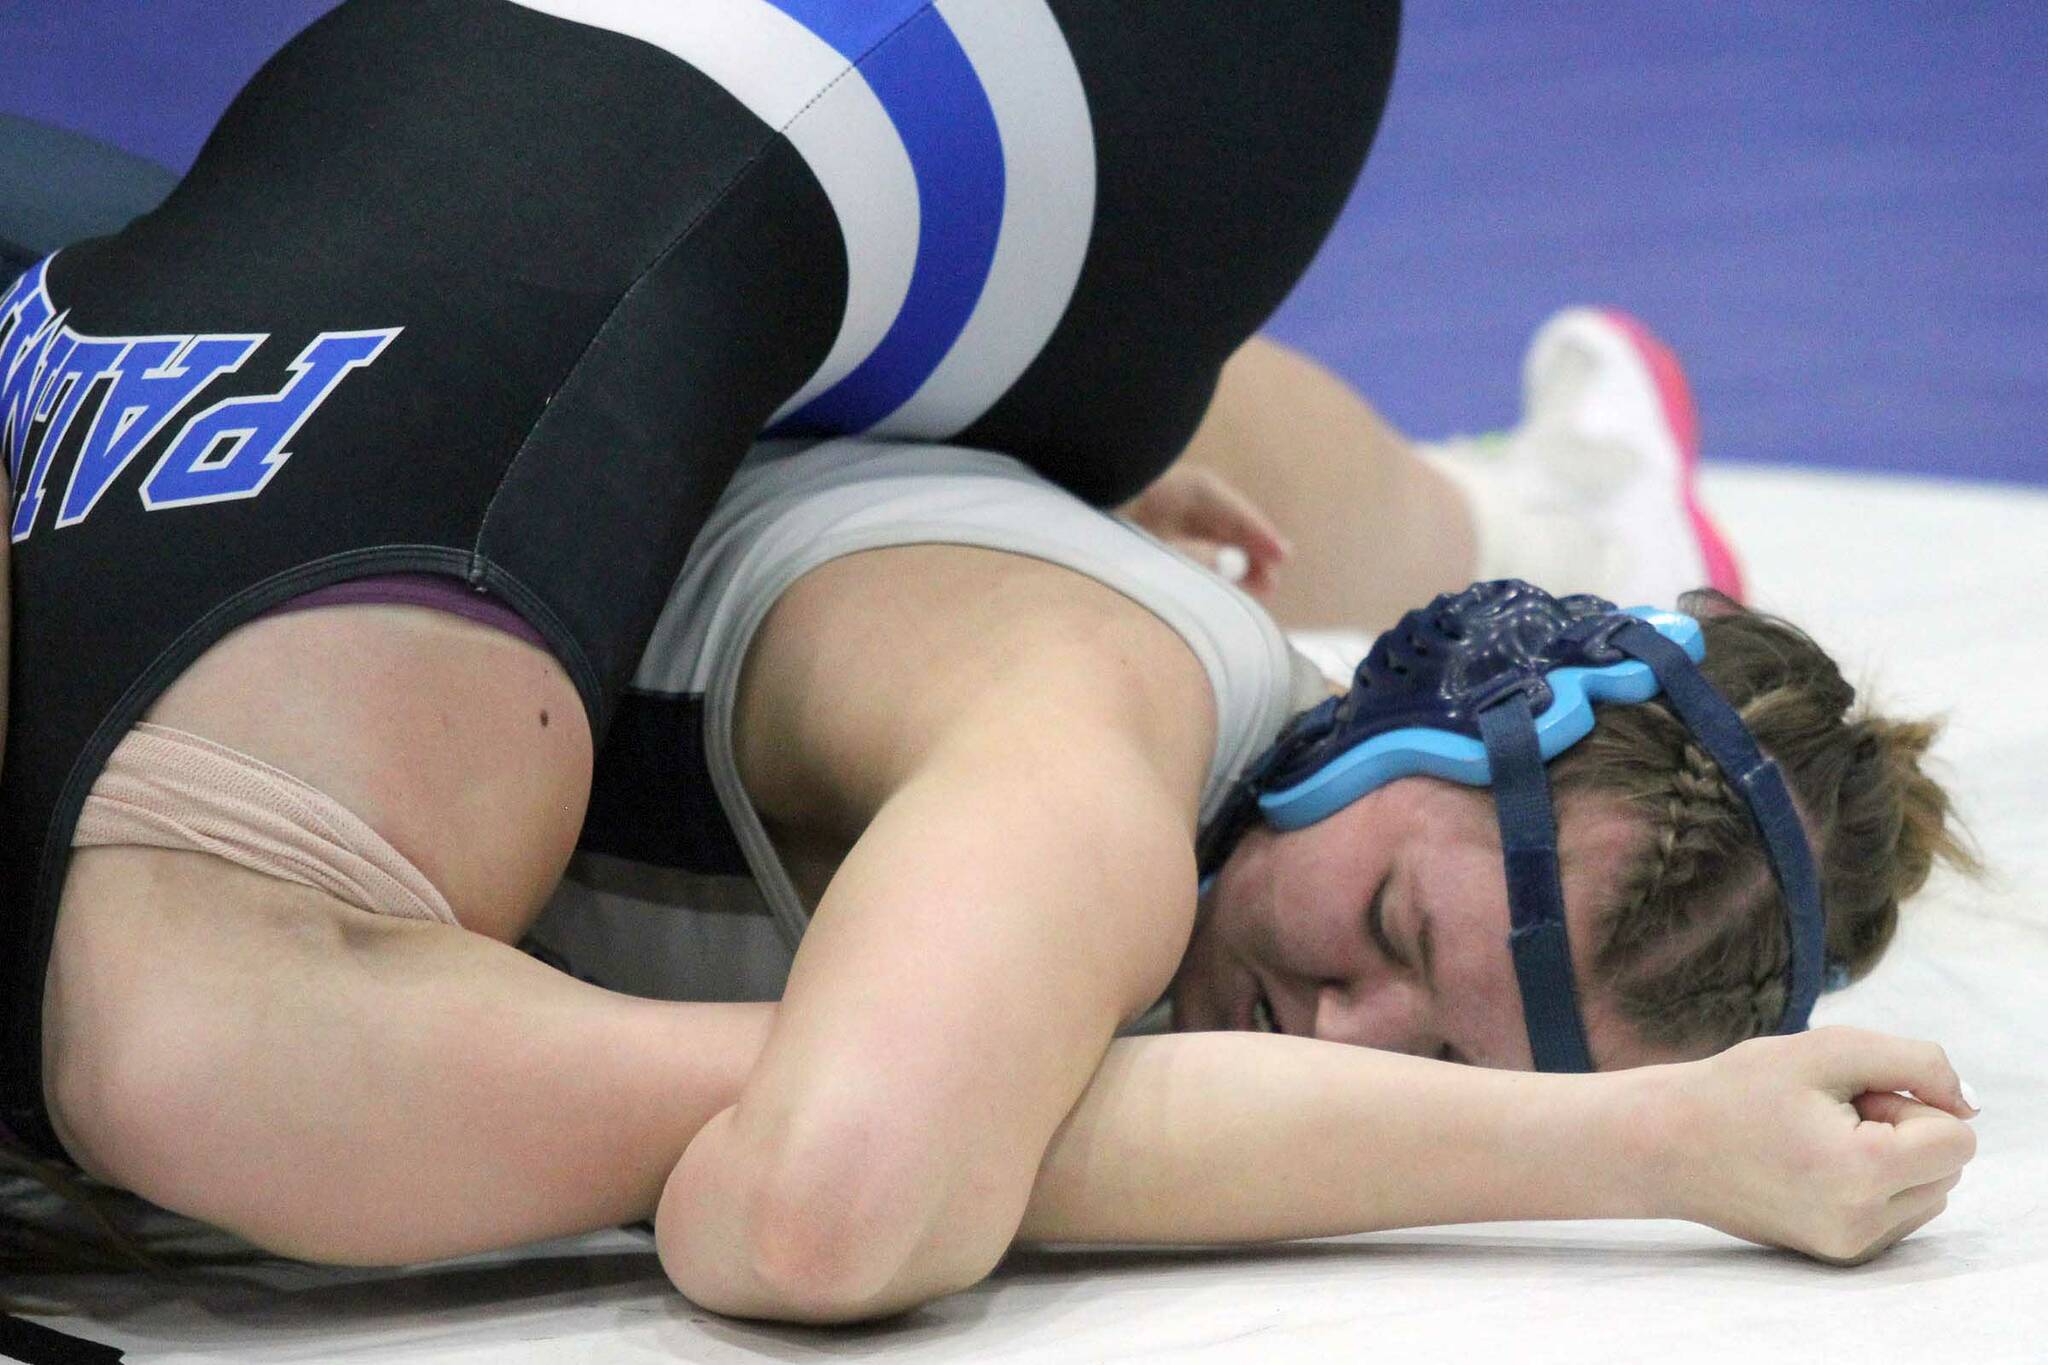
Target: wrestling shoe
[[1597, 489]]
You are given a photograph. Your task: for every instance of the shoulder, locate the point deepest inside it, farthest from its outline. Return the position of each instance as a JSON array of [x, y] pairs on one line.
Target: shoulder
[[879, 664], [855, 592]]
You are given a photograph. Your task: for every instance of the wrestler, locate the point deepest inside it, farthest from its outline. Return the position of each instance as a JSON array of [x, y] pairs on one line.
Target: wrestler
[[964, 732], [332, 1072], [497, 296]]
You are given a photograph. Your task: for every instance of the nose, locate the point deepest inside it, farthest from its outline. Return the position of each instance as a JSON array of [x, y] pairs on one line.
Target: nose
[[1385, 1013]]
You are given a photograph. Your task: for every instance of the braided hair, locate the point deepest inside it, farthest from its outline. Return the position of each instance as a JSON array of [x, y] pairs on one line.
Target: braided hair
[[1692, 944]]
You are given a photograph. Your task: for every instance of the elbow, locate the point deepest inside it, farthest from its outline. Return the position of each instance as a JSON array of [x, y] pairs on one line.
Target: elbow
[[828, 1268], [827, 1231]]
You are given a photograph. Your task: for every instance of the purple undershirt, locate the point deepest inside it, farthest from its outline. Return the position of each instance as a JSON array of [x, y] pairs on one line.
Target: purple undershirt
[[432, 591]]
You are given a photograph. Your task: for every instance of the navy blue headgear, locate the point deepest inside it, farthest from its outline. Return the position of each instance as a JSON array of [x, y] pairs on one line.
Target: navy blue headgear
[[1485, 686]]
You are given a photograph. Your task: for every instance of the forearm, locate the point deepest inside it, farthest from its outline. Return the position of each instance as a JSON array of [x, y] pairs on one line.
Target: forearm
[[1222, 1138], [1239, 1137]]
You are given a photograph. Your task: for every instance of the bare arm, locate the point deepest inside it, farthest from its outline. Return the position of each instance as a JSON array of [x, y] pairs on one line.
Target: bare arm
[[1246, 1137], [1023, 881], [1801, 1142], [347, 1090], [958, 988]]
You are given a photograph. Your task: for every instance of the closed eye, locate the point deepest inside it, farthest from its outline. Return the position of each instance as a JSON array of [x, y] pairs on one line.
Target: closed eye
[[1376, 927], [1376, 924]]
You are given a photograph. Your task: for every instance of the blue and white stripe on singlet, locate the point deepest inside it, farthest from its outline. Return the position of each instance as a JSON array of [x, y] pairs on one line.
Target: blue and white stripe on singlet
[[954, 142]]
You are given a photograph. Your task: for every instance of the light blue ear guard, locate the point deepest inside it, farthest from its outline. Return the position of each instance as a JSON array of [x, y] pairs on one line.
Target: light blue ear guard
[[1484, 687]]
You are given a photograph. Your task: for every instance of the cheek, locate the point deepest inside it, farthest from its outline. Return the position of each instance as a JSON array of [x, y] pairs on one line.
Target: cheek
[[1317, 919], [1491, 1005], [1323, 939], [1298, 901], [1474, 964]]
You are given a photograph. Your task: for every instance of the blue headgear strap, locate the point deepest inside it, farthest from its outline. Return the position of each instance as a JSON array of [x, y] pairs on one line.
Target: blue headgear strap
[[1528, 841], [1722, 734]]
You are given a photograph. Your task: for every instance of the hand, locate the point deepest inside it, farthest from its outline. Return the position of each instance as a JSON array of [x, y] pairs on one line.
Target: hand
[[1801, 1142], [1205, 517]]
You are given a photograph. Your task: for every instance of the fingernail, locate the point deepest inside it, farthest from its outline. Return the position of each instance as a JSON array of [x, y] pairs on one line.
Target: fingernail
[[1969, 1094], [1233, 563]]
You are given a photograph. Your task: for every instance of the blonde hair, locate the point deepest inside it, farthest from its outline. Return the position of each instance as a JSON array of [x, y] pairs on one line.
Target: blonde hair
[[1693, 946]]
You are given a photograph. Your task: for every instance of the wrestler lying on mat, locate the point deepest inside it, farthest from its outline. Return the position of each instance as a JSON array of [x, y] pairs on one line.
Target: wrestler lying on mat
[[398, 510], [965, 736]]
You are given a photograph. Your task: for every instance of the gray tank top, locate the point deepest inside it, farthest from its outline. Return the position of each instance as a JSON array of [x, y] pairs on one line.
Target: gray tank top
[[650, 930]]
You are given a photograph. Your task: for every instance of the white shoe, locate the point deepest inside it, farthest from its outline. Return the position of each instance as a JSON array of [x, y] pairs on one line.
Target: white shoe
[[1608, 444]]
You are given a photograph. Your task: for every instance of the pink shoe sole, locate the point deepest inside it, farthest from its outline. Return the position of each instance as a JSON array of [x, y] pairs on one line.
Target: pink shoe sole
[[1723, 573]]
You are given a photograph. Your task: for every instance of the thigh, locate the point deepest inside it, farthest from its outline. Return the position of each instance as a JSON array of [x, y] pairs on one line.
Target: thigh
[[462, 748], [1227, 138], [343, 1088], [1061, 216]]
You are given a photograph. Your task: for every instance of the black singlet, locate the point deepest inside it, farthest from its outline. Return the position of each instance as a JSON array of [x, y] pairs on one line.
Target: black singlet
[[505, 291]]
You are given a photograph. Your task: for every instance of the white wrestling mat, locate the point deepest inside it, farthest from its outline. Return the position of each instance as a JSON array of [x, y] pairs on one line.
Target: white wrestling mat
[[1935, 592]]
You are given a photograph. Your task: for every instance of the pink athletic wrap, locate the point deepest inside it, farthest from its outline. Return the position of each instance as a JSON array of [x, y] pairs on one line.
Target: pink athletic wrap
[[164, 788]]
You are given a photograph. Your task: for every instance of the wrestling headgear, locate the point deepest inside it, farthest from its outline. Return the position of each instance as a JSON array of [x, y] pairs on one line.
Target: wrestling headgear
[[1485, 686]]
